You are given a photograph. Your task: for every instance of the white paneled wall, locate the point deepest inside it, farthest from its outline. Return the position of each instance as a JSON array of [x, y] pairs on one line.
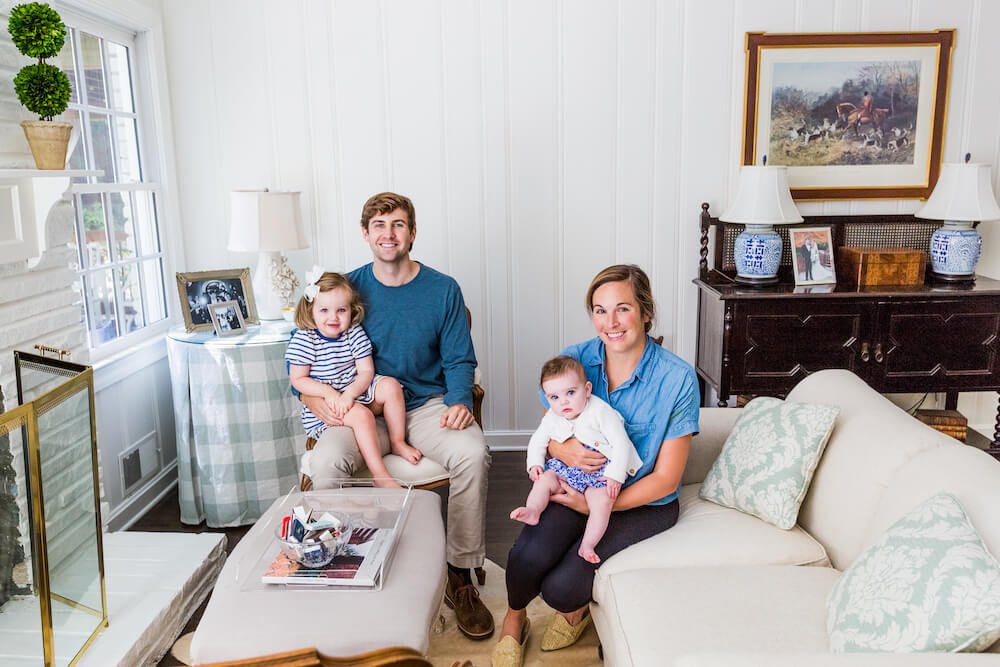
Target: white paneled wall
[[541, 140]]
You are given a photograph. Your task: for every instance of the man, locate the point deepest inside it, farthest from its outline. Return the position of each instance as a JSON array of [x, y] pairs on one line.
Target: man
[[415, 318]]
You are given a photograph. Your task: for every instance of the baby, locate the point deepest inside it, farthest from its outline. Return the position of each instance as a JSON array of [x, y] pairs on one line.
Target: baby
[[573, 412]]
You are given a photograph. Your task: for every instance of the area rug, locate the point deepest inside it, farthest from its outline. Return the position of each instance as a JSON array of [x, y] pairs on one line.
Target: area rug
[[449, 646]]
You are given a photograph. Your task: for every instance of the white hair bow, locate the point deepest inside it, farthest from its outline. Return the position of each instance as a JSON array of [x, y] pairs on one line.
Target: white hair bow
[[312, 286]]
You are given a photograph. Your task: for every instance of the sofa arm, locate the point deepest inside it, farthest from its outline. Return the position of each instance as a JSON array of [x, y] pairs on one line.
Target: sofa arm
[[715, 425], [834, 659]]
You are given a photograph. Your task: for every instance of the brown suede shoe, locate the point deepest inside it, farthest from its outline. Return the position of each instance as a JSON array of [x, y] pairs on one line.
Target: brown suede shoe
[[474, 619]]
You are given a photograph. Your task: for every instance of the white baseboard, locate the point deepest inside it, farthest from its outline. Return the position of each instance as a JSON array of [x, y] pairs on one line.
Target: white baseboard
[[508, 441], [132, 509]]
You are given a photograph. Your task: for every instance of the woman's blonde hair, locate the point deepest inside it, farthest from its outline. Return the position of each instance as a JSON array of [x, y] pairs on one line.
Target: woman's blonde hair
[[329, 281], [637, 279]]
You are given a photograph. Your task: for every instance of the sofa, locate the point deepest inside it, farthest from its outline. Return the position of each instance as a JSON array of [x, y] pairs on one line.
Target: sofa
[[724, 588]]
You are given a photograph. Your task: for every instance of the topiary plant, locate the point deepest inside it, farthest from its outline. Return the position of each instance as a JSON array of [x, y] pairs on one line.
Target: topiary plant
[[38, 32]]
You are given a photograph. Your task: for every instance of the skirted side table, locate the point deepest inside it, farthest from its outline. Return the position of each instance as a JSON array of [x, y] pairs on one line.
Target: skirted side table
[[239, 438]]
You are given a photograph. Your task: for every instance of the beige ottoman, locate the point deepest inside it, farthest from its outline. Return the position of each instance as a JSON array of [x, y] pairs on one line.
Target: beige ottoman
[[240, 623]]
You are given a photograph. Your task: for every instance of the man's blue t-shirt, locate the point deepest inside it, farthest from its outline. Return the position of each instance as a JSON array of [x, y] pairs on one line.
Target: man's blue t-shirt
[[659, 402], [420, 334]]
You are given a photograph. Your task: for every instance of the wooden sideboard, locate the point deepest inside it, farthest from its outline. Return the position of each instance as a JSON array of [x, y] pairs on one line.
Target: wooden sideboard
[[935, 337]]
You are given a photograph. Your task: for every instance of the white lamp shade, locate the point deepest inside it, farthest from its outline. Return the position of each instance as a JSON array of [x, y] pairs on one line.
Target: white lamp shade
[[266, 221], [762, 198], [964, 192]]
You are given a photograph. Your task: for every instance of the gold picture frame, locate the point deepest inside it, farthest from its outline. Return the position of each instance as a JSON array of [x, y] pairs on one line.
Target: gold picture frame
[[198, 290], [852, 115], [812, 255]]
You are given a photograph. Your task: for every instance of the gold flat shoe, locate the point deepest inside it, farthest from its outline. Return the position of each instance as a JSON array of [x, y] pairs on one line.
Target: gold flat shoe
[[508, 652], [561, 634]]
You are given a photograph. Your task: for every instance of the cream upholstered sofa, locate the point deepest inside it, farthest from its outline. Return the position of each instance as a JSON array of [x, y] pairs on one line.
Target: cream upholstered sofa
[[723, 588]]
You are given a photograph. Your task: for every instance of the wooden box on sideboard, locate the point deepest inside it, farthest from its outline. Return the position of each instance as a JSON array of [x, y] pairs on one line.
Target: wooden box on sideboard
[[873, 267]]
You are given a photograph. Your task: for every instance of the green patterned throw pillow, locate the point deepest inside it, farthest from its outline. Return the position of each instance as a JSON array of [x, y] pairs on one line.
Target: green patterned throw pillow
[[928, 584], [769, 458]]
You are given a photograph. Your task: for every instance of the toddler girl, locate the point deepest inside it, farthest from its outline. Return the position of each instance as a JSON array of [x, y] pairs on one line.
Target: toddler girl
[[573, 412], [330, 355]]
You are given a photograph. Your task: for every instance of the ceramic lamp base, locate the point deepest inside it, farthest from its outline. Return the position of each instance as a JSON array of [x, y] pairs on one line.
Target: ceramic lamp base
[[955, 250], [757, 253]]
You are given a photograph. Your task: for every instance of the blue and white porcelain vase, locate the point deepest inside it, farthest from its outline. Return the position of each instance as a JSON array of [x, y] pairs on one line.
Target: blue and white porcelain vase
[[955, 250], [758, 253]]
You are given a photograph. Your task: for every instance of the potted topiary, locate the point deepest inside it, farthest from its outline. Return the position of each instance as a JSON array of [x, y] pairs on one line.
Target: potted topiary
[[38, 32]]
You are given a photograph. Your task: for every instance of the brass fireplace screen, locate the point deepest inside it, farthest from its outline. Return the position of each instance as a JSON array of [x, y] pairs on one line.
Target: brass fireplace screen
[[52, 570]]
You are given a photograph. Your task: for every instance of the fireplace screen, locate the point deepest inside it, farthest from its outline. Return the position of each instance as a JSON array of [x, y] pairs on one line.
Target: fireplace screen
[[51, 555]]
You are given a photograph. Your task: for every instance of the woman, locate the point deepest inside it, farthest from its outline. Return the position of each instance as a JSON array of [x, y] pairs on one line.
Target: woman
[[657, 395]]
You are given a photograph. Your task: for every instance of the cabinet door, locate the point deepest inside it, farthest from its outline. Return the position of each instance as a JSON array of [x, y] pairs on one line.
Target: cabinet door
[[937, 345], [776, 343]]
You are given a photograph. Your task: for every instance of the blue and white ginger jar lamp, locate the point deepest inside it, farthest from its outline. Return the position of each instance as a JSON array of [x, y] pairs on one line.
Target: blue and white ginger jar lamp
[[762, 201], [963, 195]]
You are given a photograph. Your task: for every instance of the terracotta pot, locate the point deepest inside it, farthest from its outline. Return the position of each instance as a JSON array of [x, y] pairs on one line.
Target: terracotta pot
[[48, 141]]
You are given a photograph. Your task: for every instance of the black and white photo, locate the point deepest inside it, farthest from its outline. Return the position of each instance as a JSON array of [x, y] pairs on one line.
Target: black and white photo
[[200, 291]]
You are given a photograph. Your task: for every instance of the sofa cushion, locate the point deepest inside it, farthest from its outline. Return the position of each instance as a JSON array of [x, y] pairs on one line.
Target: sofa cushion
[[654, 616], [928, 585], [706, 535], [768, 460]]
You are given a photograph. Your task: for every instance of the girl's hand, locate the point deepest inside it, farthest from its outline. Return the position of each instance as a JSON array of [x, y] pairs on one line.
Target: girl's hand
[[534, 472], [613, 487], [340, 405], [571, 498], [321, 409]]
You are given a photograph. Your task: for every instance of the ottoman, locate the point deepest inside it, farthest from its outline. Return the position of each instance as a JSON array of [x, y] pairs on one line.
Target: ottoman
[[239, 623]]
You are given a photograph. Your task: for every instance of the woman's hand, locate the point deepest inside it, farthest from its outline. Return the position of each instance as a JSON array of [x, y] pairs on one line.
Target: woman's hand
[[317, 405], [574, 454], [571, 498]]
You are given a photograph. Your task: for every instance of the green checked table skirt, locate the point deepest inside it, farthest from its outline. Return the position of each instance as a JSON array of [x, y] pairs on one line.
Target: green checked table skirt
[[239, 438]]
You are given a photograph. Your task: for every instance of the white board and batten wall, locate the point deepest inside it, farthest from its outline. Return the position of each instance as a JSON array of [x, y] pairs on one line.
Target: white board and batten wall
[[540, 141]]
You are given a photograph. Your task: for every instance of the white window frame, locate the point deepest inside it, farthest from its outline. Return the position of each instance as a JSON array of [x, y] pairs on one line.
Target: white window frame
[[139, 28]]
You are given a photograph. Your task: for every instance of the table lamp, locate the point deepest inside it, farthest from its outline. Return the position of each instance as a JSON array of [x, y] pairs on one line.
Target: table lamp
[[268, 222], [762, 200], [963, 195]]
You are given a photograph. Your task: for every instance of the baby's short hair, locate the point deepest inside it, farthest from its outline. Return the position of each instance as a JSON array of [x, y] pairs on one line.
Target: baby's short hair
[[559, 365]]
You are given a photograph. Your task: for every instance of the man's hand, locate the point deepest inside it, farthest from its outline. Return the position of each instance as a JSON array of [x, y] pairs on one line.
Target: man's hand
[[613, 487], [318, 406], [457, 417], [339, 404], [571, 498], [534, 472], [575, 455]]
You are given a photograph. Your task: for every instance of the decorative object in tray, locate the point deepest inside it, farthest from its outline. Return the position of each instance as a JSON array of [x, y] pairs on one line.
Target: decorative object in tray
[[340, 537], [962, 198], [852, 115]]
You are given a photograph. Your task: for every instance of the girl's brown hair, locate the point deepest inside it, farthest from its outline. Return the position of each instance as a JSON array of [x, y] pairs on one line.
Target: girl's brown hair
[[639, 281], [329, 281], [559, 365]]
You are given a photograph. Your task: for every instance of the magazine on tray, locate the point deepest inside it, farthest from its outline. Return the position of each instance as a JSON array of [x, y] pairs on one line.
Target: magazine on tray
[[359, 565]]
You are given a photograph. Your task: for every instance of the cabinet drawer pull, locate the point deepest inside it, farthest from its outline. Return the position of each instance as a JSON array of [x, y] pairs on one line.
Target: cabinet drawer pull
[[865, 356], [878, 353]]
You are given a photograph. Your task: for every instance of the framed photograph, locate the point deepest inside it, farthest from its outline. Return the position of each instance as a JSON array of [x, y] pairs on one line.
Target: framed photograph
[[227, 318], [202, 289], [812, 255], [852, 115]]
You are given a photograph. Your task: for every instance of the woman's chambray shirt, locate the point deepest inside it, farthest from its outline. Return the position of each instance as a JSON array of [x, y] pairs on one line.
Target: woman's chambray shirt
[[659, 402]]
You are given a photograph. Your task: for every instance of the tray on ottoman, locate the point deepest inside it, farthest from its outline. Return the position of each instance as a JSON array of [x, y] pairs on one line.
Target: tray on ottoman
[[246, 618]]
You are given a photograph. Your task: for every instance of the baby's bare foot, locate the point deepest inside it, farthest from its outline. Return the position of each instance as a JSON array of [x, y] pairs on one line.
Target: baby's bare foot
[[386, 483], [589, 555], [403, 450], [525, 515]]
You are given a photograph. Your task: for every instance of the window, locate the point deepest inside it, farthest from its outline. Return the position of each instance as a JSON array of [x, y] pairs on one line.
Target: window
[[118, 239]]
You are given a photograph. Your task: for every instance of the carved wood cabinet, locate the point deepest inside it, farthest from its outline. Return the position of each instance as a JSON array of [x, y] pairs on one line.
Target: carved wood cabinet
[[936, 337]]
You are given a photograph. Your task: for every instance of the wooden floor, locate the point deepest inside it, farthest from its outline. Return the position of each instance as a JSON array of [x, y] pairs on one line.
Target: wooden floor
[[508, 486]]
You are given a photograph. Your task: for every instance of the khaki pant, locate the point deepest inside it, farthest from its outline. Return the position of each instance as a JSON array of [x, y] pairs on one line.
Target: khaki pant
[[463, 454]]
